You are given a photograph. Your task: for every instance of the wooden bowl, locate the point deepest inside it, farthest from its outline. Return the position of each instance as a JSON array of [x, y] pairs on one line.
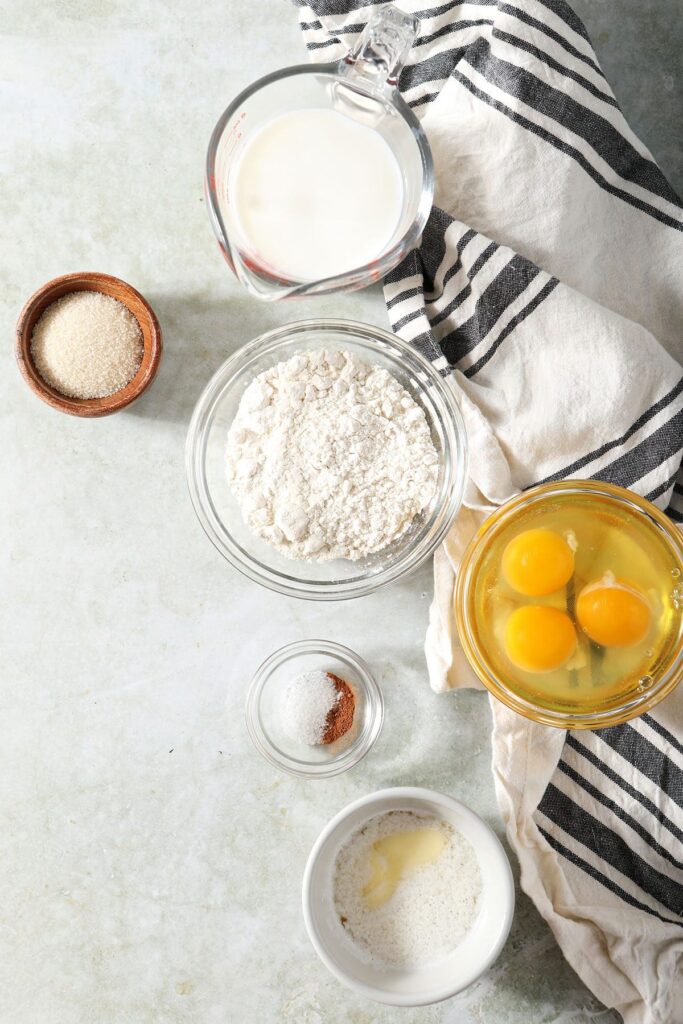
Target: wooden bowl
[[141, 310]]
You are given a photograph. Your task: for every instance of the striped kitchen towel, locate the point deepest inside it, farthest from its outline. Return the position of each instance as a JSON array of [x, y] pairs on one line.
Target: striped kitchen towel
[[548, 287]]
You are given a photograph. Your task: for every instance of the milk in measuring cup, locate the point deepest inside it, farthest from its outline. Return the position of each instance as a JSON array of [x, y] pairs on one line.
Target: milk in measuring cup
[[316, 195]]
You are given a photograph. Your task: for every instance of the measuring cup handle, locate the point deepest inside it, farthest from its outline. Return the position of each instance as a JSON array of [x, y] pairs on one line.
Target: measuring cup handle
[[382, 48]]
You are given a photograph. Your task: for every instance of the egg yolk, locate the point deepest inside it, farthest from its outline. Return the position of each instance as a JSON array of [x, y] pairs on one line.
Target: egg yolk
[[537, 562], [613, 613], [538, 638]]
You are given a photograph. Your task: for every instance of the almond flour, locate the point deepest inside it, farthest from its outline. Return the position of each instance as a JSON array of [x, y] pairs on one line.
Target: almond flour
[[431, 909]]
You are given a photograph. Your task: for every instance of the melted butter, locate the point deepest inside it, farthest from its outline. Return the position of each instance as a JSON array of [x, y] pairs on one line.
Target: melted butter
[[393, 857]]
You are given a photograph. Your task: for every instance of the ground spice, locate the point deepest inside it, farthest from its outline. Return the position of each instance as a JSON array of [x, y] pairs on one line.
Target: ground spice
[[340, 716]]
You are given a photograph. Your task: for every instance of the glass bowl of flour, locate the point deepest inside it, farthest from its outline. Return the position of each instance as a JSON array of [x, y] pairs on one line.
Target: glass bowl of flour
[[326, 459]]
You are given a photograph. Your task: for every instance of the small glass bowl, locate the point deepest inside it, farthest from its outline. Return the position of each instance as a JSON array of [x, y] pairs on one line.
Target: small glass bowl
[[217, 508], [263, 712], [534, 502]]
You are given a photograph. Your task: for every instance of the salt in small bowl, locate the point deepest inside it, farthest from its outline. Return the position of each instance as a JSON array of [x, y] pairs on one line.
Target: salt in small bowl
[[264, 709]]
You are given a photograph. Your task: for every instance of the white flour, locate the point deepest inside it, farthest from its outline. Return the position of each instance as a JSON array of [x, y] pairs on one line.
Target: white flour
[[330, 457]]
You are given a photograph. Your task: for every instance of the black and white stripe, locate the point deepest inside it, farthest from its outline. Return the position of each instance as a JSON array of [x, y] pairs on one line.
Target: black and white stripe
[[463, 298], [487, 297], [577, 130], [613, 808], [675, 507]]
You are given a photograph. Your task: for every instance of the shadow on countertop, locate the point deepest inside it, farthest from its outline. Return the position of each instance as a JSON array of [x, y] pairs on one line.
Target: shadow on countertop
[[199, 334]]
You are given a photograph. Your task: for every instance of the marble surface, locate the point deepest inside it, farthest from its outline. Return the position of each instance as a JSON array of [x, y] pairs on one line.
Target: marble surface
[[151, 860]]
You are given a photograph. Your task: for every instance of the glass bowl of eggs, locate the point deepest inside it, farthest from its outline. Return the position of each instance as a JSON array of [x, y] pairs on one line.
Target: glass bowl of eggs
[[569, 604]]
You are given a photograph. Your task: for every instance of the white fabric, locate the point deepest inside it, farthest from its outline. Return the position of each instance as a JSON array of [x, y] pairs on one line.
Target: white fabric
[[545, 196], [594, 362], [631, 961]]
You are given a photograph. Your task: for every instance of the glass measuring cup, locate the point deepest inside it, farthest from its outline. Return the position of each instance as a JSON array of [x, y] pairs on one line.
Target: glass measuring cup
[[362, 86]]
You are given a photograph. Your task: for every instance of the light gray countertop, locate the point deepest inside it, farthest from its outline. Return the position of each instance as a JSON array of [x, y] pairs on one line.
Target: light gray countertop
[[151, 861]]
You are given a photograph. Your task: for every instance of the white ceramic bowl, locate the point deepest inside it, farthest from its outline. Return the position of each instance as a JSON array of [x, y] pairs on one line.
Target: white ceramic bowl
[[433, 982]]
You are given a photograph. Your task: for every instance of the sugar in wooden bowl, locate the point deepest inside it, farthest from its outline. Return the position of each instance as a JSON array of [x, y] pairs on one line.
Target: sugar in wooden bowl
[[88, 344]]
